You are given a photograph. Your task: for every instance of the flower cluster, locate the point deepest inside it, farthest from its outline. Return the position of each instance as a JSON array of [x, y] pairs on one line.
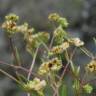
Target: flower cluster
[[76, 41], [35, 85], [60, 48], [59, 35], [23, 28], [60, 20], [91, 67], [33, 41], [52, 65], [11, 26], [12, 17], [54, 17], [10, 23]]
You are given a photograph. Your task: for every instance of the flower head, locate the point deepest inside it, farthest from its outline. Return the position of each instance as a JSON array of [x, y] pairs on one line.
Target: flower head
[[76, 41], [10, 23], [63, 22], [53, 17], [10, 26], [36, 85], [23, 28], [59, 35], [12, 17], [52, 65], [60, 48], [91, 67], [58, 19]]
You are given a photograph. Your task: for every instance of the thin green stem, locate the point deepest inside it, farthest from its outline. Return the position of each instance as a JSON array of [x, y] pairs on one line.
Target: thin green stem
[[14, 51], [51, 43], [87, 52], [32, 65]]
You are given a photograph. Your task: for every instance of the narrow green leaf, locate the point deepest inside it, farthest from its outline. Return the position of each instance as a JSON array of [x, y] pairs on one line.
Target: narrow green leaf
[[63, 90], [18, 55]]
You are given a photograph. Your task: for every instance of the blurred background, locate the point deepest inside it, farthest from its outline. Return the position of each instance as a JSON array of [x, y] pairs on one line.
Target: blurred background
[[81, 15]]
